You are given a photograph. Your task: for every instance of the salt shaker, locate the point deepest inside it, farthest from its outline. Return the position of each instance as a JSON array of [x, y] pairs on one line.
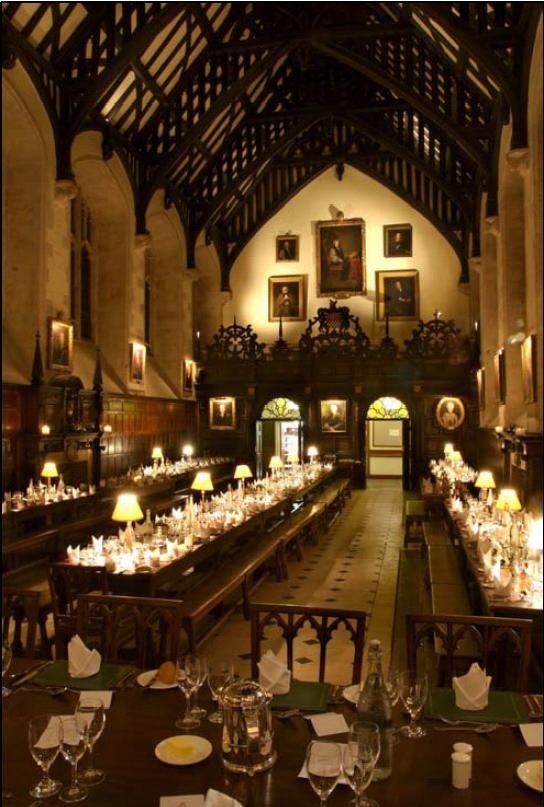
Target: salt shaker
[[465, 748], [460, 770]]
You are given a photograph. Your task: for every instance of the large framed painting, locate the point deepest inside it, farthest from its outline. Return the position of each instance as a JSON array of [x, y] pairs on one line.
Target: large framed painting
[[60, 344], [188, 375], [137, 362], [397, 241], [397, 295], [499, 364], [450, 413], [286, 248], [222, 413], [528, 368], [286, 298], [334, 415], [341, 258]]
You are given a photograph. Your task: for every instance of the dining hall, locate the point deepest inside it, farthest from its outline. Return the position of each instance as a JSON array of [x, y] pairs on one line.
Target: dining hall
[[272, 404]]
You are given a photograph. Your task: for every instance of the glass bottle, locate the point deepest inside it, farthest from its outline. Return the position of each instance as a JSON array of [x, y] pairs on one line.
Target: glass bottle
[[148, 529], [374, 705]]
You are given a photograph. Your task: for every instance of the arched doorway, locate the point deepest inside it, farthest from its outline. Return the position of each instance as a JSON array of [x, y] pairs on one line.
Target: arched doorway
[[278, 432], [387, 427]]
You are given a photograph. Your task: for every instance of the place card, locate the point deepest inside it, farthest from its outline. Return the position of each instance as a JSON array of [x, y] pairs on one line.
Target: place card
[[104, 695], [182, 801], [329, 723], [532, 734], [303, 773]]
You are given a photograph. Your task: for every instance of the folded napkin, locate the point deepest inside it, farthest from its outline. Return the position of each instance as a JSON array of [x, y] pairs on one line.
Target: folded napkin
[[216, 799], [73, 554], [82, 662], [472, 690], [98, 544], [213, 798], [273, 674]]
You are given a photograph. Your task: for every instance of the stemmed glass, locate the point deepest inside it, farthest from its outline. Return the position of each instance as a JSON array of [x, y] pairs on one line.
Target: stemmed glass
[[91, 711], [198, 711], [362, 751], [220, 673], [392, 687], [413, 691], [44, 740], [187, 676], [73, 746], [323, 765], [7, 655]]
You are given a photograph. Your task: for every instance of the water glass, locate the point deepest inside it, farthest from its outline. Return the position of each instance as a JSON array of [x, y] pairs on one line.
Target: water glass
[[365, 743], [91, 712], [187, 676], [323, 765], [357, 772], [198, 711], [44, 741], [220, 673], [413, 689], [7, 656], [73, 746]]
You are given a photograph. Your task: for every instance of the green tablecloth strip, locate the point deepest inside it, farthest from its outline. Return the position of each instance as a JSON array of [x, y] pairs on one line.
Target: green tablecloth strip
[[56, 675], [502, 707], [309, 696]]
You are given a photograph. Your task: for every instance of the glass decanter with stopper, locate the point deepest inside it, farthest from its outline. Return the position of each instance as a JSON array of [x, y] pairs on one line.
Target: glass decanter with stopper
[[374, 706]]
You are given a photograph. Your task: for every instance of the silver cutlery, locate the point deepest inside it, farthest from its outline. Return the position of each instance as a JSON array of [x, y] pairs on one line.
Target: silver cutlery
[[29, 673], [482, 728], [284, 714], [459, 722]]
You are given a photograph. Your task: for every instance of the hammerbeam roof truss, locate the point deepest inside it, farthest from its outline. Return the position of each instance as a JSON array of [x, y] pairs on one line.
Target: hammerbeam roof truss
[[233, 107]]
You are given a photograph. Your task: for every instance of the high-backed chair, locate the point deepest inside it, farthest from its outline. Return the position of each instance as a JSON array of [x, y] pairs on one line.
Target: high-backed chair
[[66, 583], [292, 619], [143, 630], [20, 607], [446, 645]]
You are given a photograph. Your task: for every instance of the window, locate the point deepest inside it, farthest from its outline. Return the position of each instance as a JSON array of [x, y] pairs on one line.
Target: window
[[81, 270], [148, 301]]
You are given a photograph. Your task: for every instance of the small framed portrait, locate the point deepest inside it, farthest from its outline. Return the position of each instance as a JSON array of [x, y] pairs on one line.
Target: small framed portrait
[[60, 344], [499, 366], [450, 413], [286, 298], [188, 375], [334, 415], [397, 295], [286, 248], [528, 368], [341, 258], [222, 413], [397, 240], [480, 381], [137, 362]]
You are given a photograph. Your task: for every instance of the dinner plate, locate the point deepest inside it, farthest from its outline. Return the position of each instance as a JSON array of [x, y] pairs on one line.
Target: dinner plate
[[144, 677], [530, 774], [183, 749], [351, 693]]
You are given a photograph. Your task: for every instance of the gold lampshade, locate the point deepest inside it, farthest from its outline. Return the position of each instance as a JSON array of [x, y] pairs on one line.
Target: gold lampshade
[[242, 472], [312, 451], [275, 463], [156, 454], [508, 500], [202, 481], [292, 458], [455, 456], [49, 470], [448, 449], [127, 508], [485, 480]]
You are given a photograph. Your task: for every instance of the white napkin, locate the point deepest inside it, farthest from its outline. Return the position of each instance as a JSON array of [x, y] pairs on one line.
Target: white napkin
[[329, 723], [98, 544], [216, 799], [532, 734], [104, 695], [82, 662], [273, 674], [73, 554], [182, 801], [472, 690]]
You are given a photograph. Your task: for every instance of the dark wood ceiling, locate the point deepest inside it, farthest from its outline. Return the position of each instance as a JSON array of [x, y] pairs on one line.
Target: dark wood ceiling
[[233, 107]]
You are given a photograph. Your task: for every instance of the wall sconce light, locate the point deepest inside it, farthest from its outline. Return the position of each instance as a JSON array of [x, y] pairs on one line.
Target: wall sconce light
[[202, 482], [127, 509], [49, 472], [107, 429]]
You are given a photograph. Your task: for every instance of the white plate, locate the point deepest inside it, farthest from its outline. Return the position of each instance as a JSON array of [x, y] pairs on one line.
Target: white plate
[[531, 774], [183, 749], [144, 677], [351, 693]]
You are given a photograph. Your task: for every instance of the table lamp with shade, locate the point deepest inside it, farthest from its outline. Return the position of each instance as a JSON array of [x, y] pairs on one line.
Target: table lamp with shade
[[242, 472], [49, 472], [202, 482], [448, 449], [312, 453], [127, 509], [275, 464], [187, 451], [157, 454], [455, 457], [486, 483], [508, 502], [292, 459]]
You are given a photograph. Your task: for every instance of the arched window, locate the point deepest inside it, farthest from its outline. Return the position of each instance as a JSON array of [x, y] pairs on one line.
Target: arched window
[[81, 269], [148, 300], [281, 409], [387, 408]]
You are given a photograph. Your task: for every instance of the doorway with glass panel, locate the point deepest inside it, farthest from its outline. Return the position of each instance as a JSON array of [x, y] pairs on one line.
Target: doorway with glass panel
[[387, 439], [278, 432]]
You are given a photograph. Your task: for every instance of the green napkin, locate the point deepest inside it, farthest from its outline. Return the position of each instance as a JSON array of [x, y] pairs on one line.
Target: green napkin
[[309, 696], [57, 675], [502, 707]]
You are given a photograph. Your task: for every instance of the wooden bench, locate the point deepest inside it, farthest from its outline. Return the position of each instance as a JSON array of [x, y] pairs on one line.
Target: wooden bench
[[414, 514], [333, 498], [304, 525]]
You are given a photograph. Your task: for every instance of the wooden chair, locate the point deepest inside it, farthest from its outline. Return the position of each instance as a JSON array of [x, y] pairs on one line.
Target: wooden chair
[[291, 619], [500, 645], [142, 630], [66, 583], [19, 606]]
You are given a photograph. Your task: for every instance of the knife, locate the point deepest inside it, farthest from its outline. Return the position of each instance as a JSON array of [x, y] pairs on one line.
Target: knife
[[31, 672]]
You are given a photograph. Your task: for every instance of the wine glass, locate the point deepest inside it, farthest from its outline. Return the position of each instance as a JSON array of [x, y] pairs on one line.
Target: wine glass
[[413, 691], [197, 710], [364, 741], [187, 675], [357, 771], [44, 740], [92, 712], [220, 673], [392, 687], [323, 765], [7, 655], [73, 746]]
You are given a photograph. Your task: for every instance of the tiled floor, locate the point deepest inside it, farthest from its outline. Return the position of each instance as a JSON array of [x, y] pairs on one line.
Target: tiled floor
[[355, 565]]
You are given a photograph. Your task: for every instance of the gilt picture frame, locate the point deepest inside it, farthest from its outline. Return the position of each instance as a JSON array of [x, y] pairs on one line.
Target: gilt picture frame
[[397, 295], [188, 369], [60, 345], [137, 362], [286, 298], [397, 241], [222, 413], [450, 413], [286, 248], [333, 414], [341, 258]]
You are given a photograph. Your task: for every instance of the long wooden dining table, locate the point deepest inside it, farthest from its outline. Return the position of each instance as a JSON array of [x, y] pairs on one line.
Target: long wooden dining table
[[139, 719]]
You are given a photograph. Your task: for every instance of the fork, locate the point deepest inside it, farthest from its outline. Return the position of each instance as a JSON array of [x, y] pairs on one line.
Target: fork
[[479, 728]]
